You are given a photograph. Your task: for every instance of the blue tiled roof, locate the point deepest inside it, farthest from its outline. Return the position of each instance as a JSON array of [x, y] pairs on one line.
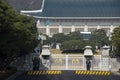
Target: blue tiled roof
[[80, 8]]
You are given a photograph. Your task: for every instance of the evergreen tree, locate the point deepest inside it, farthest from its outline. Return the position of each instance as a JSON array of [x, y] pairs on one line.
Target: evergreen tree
[[116, 40], [17, 32]]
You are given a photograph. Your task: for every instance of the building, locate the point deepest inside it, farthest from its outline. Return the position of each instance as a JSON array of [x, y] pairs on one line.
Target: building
[[64, 16]]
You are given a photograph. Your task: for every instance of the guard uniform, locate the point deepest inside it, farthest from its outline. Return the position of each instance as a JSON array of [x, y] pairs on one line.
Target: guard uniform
[[88, 63]]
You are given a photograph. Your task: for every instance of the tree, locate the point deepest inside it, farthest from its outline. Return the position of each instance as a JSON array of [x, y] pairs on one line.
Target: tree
[[72, 44], [60, 37], [115, 39], [75, 36], [7, 17], [17, 32], [26, 39], [99, 38]]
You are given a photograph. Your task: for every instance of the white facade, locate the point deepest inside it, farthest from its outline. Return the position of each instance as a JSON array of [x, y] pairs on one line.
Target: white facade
[[70, 25]]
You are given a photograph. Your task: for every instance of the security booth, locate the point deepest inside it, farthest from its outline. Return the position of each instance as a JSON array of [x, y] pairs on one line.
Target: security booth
[[45, 56], [105, 58], [88, 54], [105, 50]]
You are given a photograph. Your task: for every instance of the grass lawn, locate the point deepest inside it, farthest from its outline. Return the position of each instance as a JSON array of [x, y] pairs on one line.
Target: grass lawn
[[55, 51]]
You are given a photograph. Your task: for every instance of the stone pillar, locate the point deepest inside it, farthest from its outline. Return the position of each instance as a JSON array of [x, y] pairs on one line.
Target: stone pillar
[[88, 54], [85, 28], [73, 28], [60, 29], [105, 60]]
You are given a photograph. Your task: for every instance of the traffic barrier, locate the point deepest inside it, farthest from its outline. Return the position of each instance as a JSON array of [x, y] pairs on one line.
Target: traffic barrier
[[84, 72], [45, 72]]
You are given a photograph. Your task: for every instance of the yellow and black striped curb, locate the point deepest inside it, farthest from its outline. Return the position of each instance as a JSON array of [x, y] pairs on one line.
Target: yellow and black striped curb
[[84, 72], [45, 72]]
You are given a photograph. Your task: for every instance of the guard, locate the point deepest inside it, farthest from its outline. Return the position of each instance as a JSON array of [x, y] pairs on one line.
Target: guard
[[36, 62], [88, 64]]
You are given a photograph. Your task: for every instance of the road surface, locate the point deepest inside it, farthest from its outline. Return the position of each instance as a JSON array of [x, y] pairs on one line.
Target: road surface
[[66, 75]]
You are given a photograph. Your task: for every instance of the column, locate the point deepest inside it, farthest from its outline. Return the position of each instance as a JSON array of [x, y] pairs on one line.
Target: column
[[47, 30], [98, 27], [60, 29], [110, 31], [38, 23], [111, 28], [73, 28], [85, 28]]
